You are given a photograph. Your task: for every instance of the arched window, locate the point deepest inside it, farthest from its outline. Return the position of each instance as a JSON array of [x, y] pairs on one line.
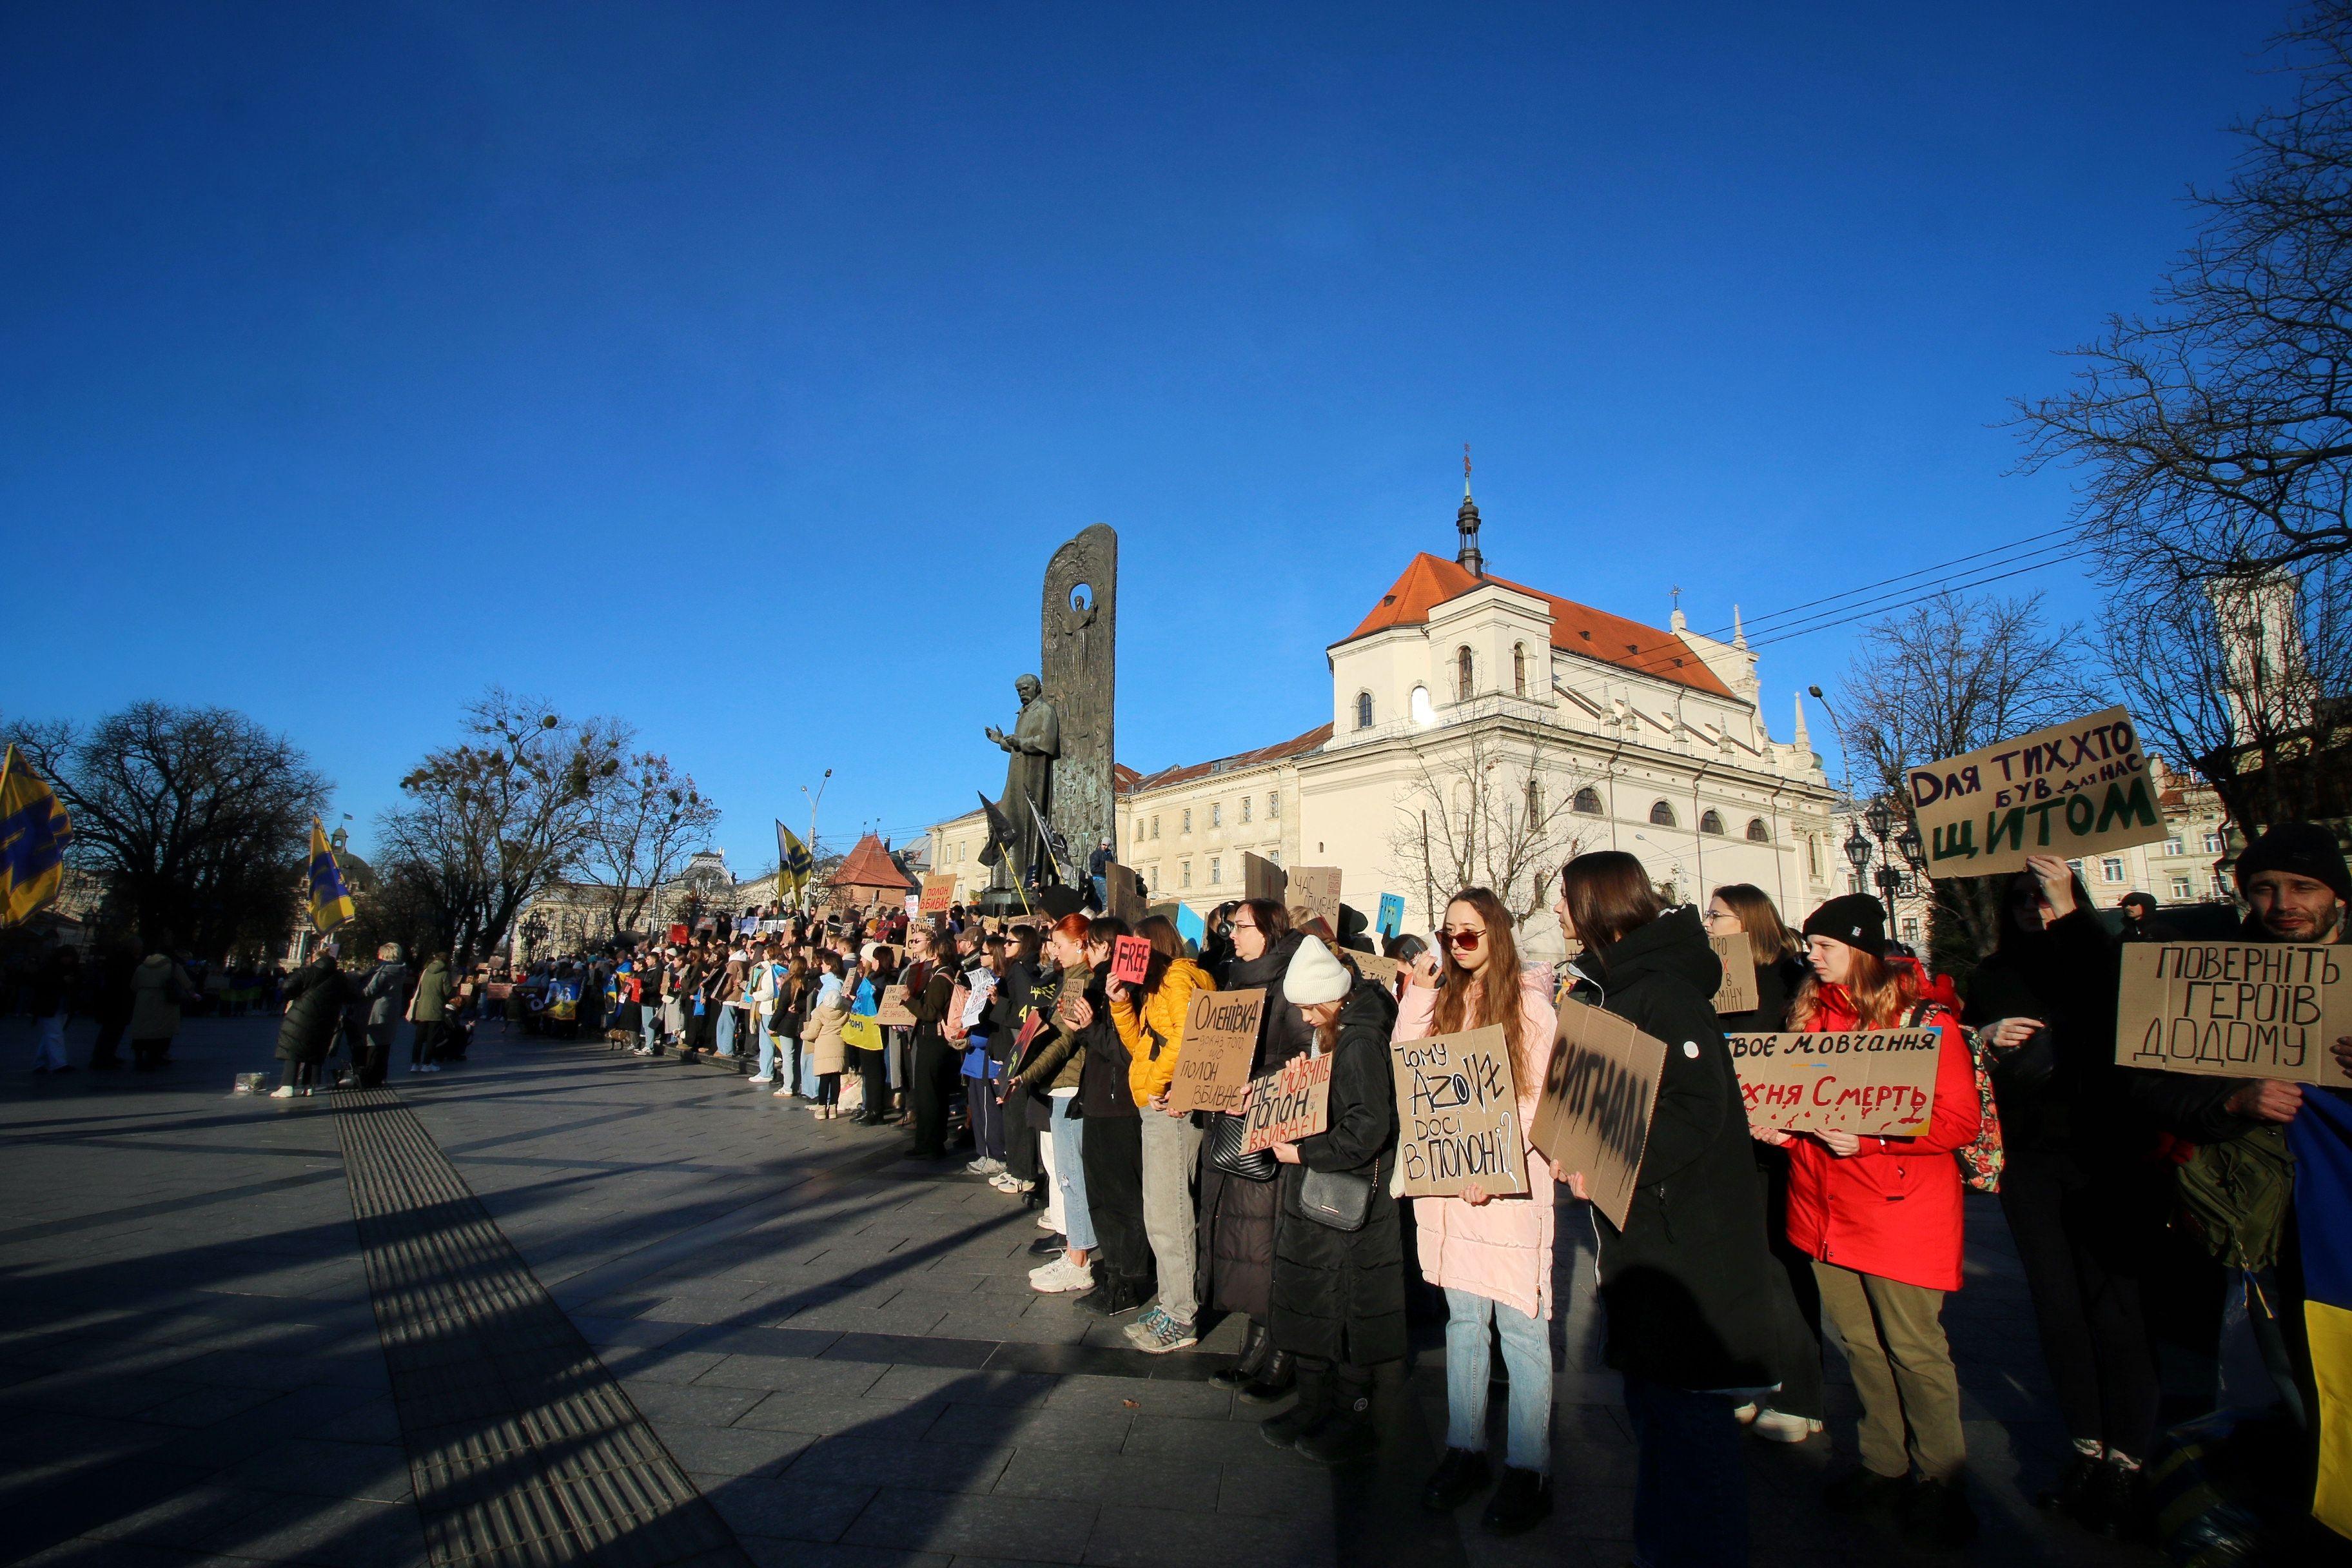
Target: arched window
[[1519, 669], [1661, 815], [1711, 823], [1465, 678], [1587, 801], [1422, 713], [1535, 801], [1363, 709], [1757, 832]]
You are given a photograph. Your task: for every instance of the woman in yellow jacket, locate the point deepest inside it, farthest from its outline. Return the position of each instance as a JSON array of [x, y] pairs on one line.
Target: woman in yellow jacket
[[1150, 1019]]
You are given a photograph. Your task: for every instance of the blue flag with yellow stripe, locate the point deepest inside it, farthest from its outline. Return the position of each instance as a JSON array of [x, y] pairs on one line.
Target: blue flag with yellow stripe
[[794, 861], [331, 900], [34, 833], [2322, 1136]]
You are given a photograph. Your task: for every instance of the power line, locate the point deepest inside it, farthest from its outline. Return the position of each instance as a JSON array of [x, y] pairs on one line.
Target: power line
[[2016, 550], [1887, 609]]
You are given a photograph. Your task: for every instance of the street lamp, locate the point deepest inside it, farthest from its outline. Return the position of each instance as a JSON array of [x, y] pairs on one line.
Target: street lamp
[[1881, 819], [1857, 850]]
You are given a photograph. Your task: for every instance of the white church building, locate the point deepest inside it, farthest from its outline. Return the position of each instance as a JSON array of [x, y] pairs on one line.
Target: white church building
[[1484, 732]]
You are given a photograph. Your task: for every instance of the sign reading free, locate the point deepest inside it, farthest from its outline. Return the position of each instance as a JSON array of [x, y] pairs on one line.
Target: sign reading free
[[1879, 1082], [2070, 790]]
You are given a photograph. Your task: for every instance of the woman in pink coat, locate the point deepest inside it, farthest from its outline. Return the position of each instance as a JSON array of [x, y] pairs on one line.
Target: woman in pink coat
[[1491, 1254]]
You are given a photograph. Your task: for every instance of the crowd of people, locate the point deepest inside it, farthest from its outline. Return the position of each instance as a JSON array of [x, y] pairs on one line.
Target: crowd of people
[[2124, 1191]]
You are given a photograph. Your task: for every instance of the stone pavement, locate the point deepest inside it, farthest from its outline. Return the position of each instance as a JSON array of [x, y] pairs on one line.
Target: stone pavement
[[837, 1347]]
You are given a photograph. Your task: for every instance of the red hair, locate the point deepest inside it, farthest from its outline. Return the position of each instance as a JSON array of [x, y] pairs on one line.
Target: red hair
[[1076, 927]]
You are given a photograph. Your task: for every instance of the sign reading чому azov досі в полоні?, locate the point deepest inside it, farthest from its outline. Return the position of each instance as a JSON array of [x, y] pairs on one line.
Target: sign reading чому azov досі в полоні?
[[2070, 790]]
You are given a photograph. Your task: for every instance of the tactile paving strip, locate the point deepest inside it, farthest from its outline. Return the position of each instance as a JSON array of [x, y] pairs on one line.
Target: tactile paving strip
[[523, 1448]]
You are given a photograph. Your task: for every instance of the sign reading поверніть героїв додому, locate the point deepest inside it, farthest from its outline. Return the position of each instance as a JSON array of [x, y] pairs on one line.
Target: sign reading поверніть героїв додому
[[2070, 790], [2234, 1009]]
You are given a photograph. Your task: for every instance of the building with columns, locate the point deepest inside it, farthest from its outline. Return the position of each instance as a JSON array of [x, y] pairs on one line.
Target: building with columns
[[1481, 730]]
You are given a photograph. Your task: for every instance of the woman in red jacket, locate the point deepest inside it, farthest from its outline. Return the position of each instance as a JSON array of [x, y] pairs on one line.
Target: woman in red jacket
[[1881, 1217]]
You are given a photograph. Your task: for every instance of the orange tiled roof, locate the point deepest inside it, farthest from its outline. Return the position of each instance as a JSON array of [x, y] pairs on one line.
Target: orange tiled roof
[[1431, 580], [868, 865], [1296, 745]]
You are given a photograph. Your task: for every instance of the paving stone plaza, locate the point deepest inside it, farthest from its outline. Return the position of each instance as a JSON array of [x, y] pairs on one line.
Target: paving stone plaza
[[561, 1305]]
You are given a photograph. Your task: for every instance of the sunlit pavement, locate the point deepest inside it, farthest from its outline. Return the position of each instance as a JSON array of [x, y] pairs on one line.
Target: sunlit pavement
[[837, 1345]]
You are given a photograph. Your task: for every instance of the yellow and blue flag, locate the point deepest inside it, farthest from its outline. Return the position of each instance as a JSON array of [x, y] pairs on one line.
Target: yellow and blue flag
[[2322, 1136], [331, 900], [34, 833], [794, 861]]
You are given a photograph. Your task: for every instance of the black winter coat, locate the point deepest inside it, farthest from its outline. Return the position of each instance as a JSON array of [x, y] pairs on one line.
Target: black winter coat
[[2062, 1091], [315, 999], [1688, 1282], [1340, 1294], [1234, 1251]]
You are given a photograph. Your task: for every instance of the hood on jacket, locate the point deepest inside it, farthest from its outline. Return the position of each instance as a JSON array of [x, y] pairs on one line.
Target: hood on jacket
[[152, 970], [1370, 1006], [1674, 946]]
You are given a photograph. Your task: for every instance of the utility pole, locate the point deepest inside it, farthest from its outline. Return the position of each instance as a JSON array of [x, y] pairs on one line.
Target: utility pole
[[815, 801]]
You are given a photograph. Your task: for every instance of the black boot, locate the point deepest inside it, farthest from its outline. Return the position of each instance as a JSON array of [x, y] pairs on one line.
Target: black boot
[[1347, 1434], [1460, 1476], [2066, 1491], [1314, 1384], [1274, 1381], [1937, 1513], [2109, 1503], [1519, 1504], [1864, 1491], [1256, 1345]]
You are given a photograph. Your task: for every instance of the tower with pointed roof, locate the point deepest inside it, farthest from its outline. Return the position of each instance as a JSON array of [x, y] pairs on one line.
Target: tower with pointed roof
[[1465, 522]]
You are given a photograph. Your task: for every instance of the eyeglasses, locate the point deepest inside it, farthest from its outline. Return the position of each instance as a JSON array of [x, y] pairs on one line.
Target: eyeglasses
[[1462, 940], [1238, 926]]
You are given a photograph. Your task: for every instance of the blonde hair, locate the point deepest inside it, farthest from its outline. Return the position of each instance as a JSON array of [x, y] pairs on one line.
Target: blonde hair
[[1883, 993]]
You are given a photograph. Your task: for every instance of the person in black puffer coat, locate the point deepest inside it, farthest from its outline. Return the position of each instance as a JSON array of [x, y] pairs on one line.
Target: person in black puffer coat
[[1234, 1254], [1338, 1295], [315, 998], [1688, 1282]]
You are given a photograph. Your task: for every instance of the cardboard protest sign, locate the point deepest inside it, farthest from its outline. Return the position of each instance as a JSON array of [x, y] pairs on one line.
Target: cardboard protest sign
[[2070, 790], [1383, 970], [1738, 992], [939, 892], [1316, 889], [892, 1011], [1212, 1068], [1262, 879], [1291, 1102], [1458, 1114], [1123, 894], [679, 934], [914, 905], [1391, 921], [2233, 1009], [1131, 960], [1599, 1093], [1879, 1082]]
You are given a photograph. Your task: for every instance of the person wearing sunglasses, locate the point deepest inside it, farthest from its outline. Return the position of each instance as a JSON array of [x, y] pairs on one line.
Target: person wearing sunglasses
[[1491, 1254]]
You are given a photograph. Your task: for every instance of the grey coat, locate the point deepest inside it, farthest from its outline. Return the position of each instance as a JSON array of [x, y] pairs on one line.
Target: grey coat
[[387, 993]]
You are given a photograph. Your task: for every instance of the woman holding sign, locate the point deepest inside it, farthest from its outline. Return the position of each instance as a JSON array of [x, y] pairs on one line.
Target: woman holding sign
[[1881, 1218], [1490, 1255], [1150, 1018], [1687, 1280]]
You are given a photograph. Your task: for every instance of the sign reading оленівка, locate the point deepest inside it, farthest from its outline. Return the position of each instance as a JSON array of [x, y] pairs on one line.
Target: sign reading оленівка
[[2070, 790]]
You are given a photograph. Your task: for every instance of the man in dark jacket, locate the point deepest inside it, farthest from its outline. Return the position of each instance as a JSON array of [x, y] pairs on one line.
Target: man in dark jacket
[[315, 998], [930, 980]]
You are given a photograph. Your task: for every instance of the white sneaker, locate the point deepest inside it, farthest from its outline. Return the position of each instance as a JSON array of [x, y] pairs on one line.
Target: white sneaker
[[1062, 1277], [283, 1091], [1744, 1414], [1002, 1181], [1779, 1426], [763, 1077], [984, 1166], [1045, 1223], [430, 1067], [413, 1068]]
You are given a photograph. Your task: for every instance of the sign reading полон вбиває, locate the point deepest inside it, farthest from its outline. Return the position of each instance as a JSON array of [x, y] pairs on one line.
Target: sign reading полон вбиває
[[2070, 790]]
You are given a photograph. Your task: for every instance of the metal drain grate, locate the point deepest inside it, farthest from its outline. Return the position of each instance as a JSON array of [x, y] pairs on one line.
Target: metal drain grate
[[521, 1446]]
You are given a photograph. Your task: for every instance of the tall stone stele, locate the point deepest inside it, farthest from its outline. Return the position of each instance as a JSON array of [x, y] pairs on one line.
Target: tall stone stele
[[1059, 752]]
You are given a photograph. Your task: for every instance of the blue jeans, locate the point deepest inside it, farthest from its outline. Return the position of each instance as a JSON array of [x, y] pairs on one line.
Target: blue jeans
[[726, 1031], [1690, 1489], [1527, 1352], [652, 1021], [767, 1054], [1070, 1174]]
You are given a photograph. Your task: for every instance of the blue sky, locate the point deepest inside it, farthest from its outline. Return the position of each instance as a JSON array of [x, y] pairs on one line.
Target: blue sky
[[734, 370]]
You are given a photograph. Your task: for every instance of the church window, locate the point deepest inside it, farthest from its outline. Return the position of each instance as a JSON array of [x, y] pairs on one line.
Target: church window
[[1465, 678], [1661, 815], [1519, 669], [1711, 823], [1587, 801], [1757, 832], [1363, 709]]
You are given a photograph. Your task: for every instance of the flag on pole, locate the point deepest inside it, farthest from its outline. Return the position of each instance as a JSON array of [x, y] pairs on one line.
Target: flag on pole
[[2322, 1138], [794, 861], [34, 833], [331, 900]]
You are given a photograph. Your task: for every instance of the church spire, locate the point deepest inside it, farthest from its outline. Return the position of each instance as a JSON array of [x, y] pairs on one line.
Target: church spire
[[1466, 522], [1804, 741]]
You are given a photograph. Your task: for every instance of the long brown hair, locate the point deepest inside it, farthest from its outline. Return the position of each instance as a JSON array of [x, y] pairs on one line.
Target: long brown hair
[[1768, 937], [1883, 993], [1167, 947], [1498, 985], [1608, 893]]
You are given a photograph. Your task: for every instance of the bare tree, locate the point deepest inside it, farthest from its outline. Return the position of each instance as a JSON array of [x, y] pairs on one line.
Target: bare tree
[[496, 819], [647, 820], [1481, 812], [1946, 677], [196, 818], [2215, 434]]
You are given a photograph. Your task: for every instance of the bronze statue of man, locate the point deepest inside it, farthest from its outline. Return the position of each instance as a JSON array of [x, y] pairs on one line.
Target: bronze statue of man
[[1028, 799]]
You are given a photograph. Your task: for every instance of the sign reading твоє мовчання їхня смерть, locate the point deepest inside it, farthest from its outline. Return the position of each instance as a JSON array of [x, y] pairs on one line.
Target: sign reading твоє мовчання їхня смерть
[[2071, 790]]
